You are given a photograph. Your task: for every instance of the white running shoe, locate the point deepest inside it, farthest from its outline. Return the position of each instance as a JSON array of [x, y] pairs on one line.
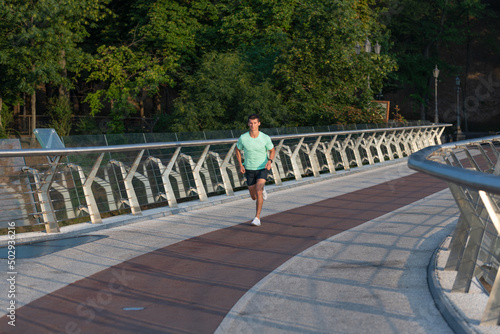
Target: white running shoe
[[264, 194], [255, 222]]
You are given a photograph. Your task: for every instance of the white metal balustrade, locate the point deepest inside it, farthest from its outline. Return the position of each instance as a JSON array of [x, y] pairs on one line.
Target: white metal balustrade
[[472, 171], [52, 185]]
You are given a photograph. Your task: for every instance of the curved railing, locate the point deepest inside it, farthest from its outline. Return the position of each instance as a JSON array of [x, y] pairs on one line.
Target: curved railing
[[55, 185], [472, 170]]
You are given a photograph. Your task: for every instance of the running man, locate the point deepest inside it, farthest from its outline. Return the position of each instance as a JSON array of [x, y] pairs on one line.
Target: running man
[[255, 145]]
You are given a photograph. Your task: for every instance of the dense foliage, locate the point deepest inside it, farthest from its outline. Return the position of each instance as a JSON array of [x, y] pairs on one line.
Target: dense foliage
[[204, 65]]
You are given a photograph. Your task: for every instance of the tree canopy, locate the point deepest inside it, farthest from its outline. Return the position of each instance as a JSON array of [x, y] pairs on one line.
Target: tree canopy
[[205, 65]]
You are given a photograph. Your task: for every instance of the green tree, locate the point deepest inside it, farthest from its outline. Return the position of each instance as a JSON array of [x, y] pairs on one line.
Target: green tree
[[8, 89], [6, 120], [306, 51], [128, 75], [151, 49], [319, 70], [292, 61], [40, 42], [59, 109], [222, 93]]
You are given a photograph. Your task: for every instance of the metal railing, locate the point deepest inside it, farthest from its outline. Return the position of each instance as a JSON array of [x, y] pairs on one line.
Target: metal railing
[[471, 169], [50, 186]]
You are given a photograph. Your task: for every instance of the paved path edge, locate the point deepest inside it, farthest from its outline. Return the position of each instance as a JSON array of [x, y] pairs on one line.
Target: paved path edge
[[447, 308]]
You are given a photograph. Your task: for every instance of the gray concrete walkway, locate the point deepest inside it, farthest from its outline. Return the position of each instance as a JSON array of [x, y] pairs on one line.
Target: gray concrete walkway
[[369, 279], [372, 278]]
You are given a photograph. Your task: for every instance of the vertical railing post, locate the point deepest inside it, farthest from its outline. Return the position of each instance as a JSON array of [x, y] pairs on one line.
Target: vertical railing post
[[496, 170], [200, 188], [423, 138], [165, 176], [343, 153], [466, 268], [329, 155], [378, 146], [293, 160], [223, 172], [397, 140], [43, 185], [388, 142], [491, 314], [437, 136], [485, 156], [277, 167], [313, 157], [91, 207], [472, 161], [494, 149], [405, 139], [457, 244], [128, 176], [368, 148], [409, 142], [355, 148]]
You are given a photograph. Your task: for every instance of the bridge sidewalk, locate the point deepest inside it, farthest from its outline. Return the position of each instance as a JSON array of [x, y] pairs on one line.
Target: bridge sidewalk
[[336, 254]]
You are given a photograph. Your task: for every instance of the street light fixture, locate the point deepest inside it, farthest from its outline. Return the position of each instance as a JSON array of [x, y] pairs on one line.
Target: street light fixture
[[357, 48], [436, 75], [368, 46], [368, 49]]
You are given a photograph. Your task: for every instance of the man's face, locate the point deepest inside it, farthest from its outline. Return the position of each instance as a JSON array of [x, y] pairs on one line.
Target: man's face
[[253, 124]]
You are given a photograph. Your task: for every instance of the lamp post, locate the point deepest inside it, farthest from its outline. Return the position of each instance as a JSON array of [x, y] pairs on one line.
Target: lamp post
[[368, 49], [368, 46], [436, 75], [460, 135]]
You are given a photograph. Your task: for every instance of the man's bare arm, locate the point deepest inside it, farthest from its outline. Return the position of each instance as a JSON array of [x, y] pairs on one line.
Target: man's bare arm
[[272, 153], [238, 157]]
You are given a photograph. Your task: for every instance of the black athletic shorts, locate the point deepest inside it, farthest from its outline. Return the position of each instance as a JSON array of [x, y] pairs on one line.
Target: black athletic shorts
[[253, 175]]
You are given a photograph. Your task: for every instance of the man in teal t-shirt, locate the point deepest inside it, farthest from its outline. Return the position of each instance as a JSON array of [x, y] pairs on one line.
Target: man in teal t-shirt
[[255, 146]]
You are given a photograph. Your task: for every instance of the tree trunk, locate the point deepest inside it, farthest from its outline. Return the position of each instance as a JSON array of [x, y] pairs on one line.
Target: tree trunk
[[1, 105], [75, 102], [64, 74], [33, 114], [141, 104], [422, 110], [157, 104]]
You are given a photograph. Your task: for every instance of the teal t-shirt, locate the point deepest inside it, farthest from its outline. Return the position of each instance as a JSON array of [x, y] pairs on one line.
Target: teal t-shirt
[[255, 150]]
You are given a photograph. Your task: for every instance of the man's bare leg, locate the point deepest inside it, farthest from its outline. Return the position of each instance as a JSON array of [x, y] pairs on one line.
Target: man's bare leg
[[253, 191], [259, 187]]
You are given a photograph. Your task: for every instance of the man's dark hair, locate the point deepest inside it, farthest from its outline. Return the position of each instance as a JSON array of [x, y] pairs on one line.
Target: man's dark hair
[[254, 116]]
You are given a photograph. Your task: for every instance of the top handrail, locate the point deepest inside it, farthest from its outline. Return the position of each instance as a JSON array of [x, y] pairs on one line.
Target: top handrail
[[473, 179], [164, 145]]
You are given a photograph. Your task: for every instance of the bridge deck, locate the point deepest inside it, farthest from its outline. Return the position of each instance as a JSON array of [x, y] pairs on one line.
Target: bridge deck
[[348, 254]]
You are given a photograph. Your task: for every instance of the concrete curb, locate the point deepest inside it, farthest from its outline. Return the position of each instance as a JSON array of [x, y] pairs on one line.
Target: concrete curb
[[444, 305]]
